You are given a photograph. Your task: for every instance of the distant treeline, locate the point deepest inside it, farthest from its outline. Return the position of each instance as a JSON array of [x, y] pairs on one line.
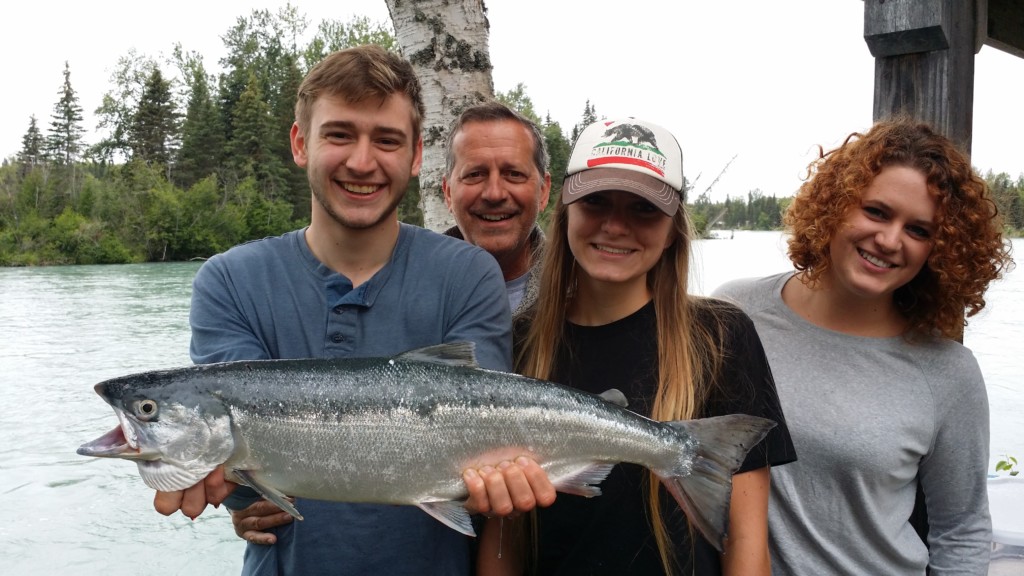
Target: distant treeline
[[760, 212], [188, 164], [192, 163]]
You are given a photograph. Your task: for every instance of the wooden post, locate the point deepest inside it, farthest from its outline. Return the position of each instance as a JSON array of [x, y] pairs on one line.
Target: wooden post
[[924, 61], [924, 67]]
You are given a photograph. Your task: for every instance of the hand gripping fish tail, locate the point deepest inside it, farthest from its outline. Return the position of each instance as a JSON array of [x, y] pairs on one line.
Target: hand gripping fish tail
[[702, 484], [401, 430]]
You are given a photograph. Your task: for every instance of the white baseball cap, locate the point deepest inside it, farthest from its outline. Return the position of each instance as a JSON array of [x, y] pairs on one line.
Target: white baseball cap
[[630, 155]]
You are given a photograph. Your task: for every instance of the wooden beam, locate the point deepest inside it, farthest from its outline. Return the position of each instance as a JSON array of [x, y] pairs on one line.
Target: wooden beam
[[1004, 26], [895, 27], [924, 62]]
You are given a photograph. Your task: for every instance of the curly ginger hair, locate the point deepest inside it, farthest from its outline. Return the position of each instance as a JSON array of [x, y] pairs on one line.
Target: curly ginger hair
[[968, 249]]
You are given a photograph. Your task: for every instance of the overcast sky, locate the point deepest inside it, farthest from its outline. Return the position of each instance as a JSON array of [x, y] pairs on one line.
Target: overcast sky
[[763, 81]]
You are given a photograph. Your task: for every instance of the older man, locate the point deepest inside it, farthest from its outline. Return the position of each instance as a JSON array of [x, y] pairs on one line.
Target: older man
[[496, 183]]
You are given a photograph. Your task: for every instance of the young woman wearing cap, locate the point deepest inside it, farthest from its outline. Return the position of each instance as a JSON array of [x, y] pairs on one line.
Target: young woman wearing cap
[[893, 238], [613, 312]]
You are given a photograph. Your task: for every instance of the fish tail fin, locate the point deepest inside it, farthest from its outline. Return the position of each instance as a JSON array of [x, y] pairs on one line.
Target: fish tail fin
[[703, 487]]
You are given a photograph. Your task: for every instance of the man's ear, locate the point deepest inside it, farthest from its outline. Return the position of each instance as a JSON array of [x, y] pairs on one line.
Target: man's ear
[[545, 191], [298, 140], [417, 157], [446, 189]]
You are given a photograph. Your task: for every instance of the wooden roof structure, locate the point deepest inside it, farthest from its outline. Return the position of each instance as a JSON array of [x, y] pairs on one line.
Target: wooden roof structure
[[924, 56]]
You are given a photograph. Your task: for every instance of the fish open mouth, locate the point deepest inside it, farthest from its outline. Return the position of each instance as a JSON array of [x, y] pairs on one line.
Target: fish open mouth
[[114, 444]]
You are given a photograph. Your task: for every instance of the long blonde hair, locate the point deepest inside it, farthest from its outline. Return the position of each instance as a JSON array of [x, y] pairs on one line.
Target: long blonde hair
[[689, 353]]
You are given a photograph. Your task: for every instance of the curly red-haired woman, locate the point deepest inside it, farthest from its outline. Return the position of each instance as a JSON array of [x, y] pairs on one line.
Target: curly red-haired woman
[[894, 239]]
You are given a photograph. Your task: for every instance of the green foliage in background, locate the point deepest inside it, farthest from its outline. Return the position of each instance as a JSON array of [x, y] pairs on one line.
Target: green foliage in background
[[190, 163]]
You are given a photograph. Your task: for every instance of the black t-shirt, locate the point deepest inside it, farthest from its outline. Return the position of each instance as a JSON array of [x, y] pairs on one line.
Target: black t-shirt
[[612, 533]]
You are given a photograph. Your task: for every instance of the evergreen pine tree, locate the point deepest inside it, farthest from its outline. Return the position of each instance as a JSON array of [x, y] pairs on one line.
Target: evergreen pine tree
[[293, 178], [33, 151], [153, 132], [64, 141], [559, 149], [250, 149], [589, 117], [202, 137]]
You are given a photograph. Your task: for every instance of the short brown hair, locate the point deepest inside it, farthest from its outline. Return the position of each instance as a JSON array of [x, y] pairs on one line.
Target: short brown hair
[[968, 251], [494, 111], [356, 74]]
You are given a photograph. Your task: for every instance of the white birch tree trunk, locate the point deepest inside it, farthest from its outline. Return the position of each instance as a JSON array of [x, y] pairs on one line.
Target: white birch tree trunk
[[447, 43]]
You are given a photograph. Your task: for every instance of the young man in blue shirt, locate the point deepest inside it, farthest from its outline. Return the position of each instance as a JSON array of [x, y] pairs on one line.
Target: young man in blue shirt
[[354, 283]]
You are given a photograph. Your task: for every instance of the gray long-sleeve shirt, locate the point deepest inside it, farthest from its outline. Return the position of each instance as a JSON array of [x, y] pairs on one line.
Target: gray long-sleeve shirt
[[868, 416]]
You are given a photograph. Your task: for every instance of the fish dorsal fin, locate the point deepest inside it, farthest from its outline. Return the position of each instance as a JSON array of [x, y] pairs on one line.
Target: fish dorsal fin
[[449, 354], [615, 396]]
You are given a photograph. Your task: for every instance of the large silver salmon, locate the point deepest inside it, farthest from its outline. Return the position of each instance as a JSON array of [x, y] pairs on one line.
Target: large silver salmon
[[401, 430]]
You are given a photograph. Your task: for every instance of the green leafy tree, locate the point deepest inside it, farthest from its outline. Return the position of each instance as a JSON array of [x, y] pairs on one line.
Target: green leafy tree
[[118, 107], [261, 60], [123, 204], [10, 175], [33, 194], [554, 139], [1015, 211], [246, 58], [211, 223], [167, 230], [262, 216], [409, 208], [334, 35], [1007, 195], [517, 100], [76, 239], [291, 24]]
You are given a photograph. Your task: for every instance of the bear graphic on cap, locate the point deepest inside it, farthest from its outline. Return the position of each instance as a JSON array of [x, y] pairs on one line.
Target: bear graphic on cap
[[629, 132]]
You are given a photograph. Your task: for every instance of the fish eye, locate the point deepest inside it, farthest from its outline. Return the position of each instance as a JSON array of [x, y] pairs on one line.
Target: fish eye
[[146, 409]]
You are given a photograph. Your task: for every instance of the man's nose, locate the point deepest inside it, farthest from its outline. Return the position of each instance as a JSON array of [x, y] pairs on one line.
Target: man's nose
[[361, 158], [494, 189]]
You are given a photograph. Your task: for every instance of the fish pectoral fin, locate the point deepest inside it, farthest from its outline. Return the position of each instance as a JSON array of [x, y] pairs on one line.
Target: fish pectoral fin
[[615, 396], [451, 513], [583, 483], [271, 494]]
